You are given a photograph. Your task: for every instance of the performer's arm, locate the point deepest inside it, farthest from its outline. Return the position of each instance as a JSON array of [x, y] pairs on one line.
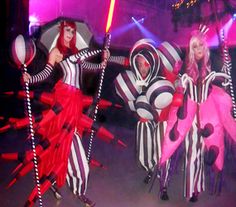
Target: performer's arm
[[93, 66], [121, 60], [54, 57], [43, 75], [84, 54], [96, 66]]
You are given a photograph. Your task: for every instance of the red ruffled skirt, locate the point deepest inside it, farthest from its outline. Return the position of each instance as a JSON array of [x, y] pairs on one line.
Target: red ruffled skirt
[[58, 126]]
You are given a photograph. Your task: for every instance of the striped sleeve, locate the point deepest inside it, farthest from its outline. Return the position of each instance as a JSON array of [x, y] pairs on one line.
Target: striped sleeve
[[121, 60], [43, 75], [84, 55], [90, 66]]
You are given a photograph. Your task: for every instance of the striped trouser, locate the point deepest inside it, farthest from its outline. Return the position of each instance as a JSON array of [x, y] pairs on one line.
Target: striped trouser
[[146, 144], [164, 169], [78, 168], [194, 163]]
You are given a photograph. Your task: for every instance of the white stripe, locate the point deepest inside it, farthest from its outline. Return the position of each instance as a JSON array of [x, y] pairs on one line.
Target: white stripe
[[68, 179], [155, 144], [20, 48], [158, 138], [77, 82], [142, 112], [191, 90], [195, 93], [78, 173], [203, 92], [167, 165], [130, 104], [74, 179], [149, 145], [166, 62], [164, 99], [198, 168], [194, 156], [172, 51], [84, 160], [186, 142], [124, 88], [141, 145]]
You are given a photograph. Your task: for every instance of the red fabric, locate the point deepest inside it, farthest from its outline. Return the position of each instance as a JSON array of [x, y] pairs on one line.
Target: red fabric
[[170, 76], [70, 99], [164, 114]]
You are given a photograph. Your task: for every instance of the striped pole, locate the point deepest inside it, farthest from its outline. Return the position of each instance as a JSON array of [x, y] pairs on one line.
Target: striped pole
[[106, 46], [227, 67]]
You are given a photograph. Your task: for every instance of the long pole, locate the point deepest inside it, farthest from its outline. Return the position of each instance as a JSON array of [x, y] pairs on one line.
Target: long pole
[[227, 65], [106, 46]]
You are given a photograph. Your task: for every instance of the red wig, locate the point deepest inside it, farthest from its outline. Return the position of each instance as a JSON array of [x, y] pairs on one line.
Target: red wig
[[60, 41]]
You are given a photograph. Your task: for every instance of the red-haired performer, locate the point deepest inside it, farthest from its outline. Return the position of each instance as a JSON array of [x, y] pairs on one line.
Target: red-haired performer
[[66, 110]]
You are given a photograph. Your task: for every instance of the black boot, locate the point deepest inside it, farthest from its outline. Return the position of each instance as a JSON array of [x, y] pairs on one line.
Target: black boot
[[87, 202], [194, 198], [163, 195]]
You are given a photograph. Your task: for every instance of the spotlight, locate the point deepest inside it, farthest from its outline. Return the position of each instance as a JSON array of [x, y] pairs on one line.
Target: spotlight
[[134, 19], [138, 21], [34, 26], [234, 16]]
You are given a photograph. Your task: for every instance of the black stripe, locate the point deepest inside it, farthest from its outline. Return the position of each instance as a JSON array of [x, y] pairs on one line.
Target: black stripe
[[57, 108], [159, 91]]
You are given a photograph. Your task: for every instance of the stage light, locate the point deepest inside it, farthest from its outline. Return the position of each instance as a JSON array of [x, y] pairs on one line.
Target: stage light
[[145, 32], [141, 20], [33, 19], [135, 21], [234, 16], [121, 30], [34, 25]]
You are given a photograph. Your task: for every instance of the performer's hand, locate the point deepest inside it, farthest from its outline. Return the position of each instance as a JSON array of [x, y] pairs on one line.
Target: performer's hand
[[104, 63], [26, 77], [106, 54]]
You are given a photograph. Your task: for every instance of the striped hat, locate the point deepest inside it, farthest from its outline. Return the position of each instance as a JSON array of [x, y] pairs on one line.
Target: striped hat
[[170, 53]]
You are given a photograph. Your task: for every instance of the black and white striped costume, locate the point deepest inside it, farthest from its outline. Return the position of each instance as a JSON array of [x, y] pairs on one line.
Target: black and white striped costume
[[194, 144], [146, 144], [146, 133], [159, 132], [71, 61]]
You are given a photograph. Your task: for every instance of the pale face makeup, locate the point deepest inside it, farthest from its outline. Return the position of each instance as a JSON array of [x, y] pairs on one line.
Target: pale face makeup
[[69, 32], [198, 47]]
